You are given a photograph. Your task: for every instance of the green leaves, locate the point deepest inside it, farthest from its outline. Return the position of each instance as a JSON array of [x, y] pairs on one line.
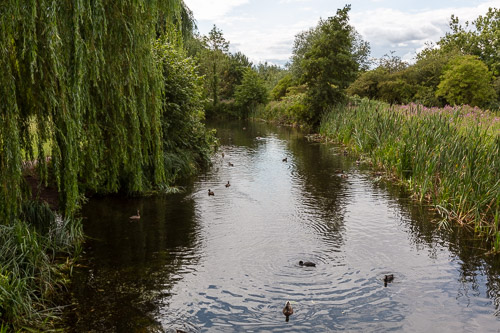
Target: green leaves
[[327, 58], [250, 92], [466, 80]]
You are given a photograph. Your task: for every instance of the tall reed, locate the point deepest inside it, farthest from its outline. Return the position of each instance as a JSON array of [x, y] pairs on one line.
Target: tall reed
[[449, 157]]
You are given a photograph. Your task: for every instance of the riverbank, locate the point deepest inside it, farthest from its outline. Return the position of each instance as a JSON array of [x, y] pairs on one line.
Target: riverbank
[[449, 157], [37, 254]]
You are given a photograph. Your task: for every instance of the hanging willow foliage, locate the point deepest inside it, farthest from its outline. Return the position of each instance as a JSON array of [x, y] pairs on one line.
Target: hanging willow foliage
[[80, 77]]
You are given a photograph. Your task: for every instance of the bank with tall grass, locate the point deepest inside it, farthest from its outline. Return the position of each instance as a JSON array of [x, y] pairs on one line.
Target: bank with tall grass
[[449, 157], [36, 255]]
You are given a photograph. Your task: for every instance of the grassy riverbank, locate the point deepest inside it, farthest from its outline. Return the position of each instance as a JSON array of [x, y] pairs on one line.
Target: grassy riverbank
[[449, 157], [36, 256]]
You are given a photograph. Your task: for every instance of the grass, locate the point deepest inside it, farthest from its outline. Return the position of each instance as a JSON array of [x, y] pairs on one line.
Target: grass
[[30, 271], [448, 156]]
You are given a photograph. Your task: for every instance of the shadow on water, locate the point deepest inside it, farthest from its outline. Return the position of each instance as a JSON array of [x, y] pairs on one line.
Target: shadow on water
[[129, 265], [228, 262]]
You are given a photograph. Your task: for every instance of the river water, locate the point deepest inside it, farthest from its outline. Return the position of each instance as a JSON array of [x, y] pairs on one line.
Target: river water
[[229, 262]]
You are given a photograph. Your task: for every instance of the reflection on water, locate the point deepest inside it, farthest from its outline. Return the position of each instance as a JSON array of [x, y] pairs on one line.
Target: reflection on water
[[229, 262]]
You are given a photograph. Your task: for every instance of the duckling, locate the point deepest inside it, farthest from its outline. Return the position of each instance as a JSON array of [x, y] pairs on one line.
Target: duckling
[[136, 217], [230, 164], [307, 264], [388, 279], [210, 192], [344, 175], [287, 310], [227, 185], [285, 159], [222, 154]]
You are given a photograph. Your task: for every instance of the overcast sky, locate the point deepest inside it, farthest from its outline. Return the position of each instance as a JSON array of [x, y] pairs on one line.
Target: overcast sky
[[264, 30]]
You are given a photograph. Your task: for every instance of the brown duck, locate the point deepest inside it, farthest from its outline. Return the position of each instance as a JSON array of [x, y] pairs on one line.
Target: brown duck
[[136, 217], [287, 310]]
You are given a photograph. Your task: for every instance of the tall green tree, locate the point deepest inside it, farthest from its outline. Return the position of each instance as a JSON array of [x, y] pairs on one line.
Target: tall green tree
[[214, 60], [466, 80], [250, 92], [480, 38], [330, 61]]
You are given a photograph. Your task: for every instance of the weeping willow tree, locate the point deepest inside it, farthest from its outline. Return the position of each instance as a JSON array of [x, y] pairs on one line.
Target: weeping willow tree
[[83, 95]]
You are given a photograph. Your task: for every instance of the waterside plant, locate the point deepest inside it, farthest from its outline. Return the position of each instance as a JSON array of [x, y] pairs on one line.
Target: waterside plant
[[36, 253], [449, 157]]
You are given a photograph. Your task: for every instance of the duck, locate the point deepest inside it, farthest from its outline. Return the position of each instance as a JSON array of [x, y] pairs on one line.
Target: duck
[[307, 263], [227, 185], [210, 192], [388, 279], [358, 162], [230, 164], [344, 175], [222, 154], [136, 217], [287, 310], [285, 159]]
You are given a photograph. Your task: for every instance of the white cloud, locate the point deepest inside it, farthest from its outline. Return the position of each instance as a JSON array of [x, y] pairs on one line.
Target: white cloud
[[292, 1], [212, 9], [392, 29], [268, 35]]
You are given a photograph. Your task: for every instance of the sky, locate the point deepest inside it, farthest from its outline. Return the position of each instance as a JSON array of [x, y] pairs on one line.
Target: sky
[[264, 30]]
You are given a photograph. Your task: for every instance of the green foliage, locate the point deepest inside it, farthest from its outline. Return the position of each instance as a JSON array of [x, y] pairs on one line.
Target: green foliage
[[480, 38], [186, 142], [98, 86], [214, 61], [466, 80], [327, 58], [270, 74], [291, 109], [233, 74], [84, 78], [29, 274], [250, 92], [281, 88], [449, 157]]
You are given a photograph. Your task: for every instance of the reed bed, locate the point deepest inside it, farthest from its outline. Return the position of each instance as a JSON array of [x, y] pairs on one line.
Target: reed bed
[[448, 156], [31, 268]]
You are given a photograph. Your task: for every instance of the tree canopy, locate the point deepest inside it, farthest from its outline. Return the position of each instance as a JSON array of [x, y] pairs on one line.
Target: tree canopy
[[84, 96]]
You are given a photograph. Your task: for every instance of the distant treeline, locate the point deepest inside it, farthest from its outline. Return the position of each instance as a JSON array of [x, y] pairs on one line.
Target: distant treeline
[[330, 62]]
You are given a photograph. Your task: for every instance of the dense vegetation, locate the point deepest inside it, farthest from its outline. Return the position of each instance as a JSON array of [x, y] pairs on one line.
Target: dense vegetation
[[330, 62], [326, 60], [97, 97], [449, 156], [463, 69], [234, 87]]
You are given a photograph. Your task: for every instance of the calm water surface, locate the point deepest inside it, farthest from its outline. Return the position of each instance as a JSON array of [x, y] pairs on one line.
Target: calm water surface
[[229, 262]]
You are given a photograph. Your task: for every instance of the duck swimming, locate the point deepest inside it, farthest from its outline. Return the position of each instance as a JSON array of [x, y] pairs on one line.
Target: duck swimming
[[230, 164], [287, 310], [388, 279], [210, 192], [227, 185], [285, 159], [307, 263], [136, 217]]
